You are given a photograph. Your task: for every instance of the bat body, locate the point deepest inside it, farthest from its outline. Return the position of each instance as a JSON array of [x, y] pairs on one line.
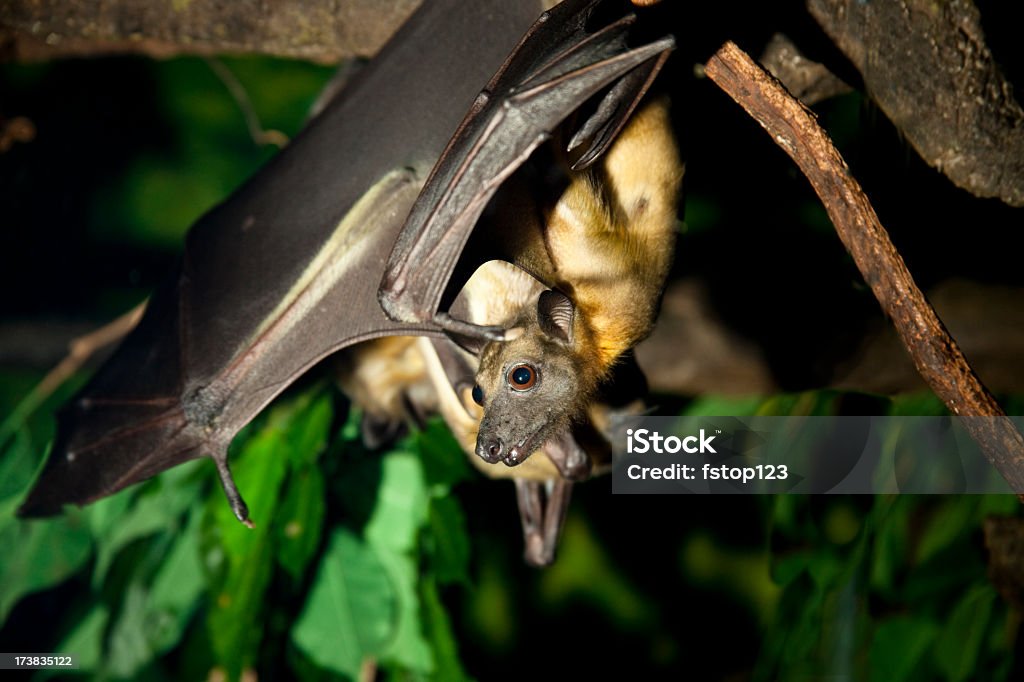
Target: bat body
[[608, 239], [604, 248], [288, 270]]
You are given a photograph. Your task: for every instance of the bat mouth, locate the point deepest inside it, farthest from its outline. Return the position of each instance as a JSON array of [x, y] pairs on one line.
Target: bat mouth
[[520, 451], [493, 450]]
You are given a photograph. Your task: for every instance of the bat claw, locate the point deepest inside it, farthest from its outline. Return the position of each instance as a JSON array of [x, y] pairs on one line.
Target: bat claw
[[238, 505]]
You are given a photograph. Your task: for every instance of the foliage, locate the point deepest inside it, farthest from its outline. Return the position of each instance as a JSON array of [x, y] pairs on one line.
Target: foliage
[[353, 554], [171, 584]]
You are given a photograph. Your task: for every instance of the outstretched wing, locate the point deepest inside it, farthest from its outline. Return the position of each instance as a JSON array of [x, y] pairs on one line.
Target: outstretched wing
[[286, 270]]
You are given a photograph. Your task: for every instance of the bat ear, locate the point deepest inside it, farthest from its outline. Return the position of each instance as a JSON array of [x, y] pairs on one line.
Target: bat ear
[[555, 313]]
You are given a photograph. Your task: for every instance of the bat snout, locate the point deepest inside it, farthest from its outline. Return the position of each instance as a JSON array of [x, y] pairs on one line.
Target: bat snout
[[491, 450]]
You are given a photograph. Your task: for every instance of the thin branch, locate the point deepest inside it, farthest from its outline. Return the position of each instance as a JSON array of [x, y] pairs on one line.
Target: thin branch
[[935, 354], [260, 135], [79, 352]]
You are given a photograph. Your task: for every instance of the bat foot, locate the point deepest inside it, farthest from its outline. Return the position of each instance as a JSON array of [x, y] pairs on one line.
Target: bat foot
[[568, 456], [542, 516], [537, 554]]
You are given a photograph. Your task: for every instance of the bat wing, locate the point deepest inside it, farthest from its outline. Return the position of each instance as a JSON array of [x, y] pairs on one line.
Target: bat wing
[[286, 270], [557, 67]]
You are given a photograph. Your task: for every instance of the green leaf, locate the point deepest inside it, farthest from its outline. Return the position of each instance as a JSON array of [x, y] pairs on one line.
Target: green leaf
[[234, 620], [309, 427], [176, 588], [105, 516], [826, 568], [18, 465], [918, 404], [789, 567], [444, 462], [300, 521], [889, 521], [996, 505], [393, 530], [898, 648], [958, 647], [448, 541], [352, 609], [401, 506], [408, 647], [438, 630], [40, 554], [718, 406], [129, 647], [493, 613], [137, 513], [27, 426], [240, 559], [86, 639], [790, 404], [953, 520], [152, 617]]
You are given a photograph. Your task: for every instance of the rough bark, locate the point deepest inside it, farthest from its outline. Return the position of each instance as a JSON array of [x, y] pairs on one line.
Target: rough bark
[[318, 30], [808, 80], [928, 67]]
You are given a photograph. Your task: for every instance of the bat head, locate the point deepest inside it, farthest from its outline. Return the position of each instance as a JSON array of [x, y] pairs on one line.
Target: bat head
[[531, 385]]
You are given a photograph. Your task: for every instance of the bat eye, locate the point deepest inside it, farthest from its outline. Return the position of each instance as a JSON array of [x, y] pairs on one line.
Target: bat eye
[[478, 395], [522, 377]]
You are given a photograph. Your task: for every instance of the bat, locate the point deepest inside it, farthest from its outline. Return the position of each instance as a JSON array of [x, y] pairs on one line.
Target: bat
[[607, 240], [604, 249], [324, 246]]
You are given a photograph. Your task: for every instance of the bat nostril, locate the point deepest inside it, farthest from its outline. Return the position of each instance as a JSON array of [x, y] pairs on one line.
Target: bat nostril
[[490, 450]]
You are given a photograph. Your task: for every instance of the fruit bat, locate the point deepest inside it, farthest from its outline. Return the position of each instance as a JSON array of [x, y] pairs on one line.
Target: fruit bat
[[602, 240], [604, 249], [328, 245]]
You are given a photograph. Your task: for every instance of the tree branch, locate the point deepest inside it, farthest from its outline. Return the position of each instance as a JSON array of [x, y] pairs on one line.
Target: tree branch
[[929, 68], [318, 30], [934, 352]]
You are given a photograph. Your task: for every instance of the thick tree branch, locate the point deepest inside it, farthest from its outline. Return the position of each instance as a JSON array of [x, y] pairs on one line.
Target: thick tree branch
[[318, 30], [809, 81], [928, 67], [935, 353]]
